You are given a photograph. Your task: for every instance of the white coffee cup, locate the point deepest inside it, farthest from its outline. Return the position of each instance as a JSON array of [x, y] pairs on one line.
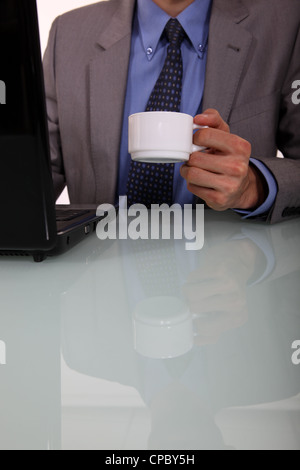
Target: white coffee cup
[[162, 137]]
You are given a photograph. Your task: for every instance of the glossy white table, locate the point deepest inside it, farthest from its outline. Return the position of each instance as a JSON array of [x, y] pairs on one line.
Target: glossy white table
[[143, 345]]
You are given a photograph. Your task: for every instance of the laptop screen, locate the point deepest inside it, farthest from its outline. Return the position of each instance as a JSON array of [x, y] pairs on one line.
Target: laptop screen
[[18, 80], [26, 190]]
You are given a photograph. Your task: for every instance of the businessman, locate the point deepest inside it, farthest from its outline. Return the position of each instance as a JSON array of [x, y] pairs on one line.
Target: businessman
[[238, 63]]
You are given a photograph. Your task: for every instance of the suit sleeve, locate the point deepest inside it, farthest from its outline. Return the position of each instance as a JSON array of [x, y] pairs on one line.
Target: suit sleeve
[[287, 171], [58, 172]]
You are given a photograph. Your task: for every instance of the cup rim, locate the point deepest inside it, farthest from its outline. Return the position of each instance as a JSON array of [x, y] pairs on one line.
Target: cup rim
[[161, 112]]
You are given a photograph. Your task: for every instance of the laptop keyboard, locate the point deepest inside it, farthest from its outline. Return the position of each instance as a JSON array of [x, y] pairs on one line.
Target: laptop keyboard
[[66, 215]]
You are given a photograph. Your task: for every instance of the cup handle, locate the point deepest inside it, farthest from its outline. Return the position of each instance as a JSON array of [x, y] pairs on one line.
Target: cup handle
[[197, 148]]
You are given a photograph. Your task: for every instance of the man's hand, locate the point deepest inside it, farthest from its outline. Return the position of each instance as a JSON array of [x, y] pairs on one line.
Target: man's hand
[[217, 290], [222, 175]]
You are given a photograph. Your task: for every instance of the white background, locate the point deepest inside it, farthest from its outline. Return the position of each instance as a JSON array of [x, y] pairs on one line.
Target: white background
[[49, 10]]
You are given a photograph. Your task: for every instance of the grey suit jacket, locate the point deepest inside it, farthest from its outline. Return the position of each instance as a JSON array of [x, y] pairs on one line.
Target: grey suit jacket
[[253, 61]]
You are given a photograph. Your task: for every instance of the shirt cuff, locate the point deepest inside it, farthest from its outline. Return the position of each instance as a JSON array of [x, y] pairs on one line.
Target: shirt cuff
[[265, 208]]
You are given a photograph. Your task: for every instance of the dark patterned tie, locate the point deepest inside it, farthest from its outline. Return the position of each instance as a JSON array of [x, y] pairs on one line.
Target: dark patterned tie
[[153, 183]]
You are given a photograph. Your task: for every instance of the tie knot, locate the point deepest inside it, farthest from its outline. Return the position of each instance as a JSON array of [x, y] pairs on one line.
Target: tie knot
[[175, 32]]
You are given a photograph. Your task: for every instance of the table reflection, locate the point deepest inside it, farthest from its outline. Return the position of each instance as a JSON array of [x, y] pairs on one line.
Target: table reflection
[[200, 335], [194, 332]]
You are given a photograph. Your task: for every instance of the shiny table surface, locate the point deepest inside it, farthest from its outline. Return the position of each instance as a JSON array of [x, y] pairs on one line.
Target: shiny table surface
[[144, 345]]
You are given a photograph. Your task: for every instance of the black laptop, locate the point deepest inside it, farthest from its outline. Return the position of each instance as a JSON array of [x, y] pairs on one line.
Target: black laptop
[[30, 224]]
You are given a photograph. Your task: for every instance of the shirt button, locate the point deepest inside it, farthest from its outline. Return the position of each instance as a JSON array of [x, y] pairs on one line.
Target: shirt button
[[149, 51]]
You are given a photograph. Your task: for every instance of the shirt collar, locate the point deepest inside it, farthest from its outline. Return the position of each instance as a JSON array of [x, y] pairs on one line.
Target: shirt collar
[[194, 19]]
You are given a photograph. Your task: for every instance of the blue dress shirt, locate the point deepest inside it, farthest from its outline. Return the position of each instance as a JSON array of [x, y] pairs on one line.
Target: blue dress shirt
[[148, 53]]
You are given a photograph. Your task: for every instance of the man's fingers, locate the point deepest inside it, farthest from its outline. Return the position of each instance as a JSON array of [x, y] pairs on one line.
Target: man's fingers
[[201, 178], [215, 199], [219, 164], [222, 142], [211, 118]]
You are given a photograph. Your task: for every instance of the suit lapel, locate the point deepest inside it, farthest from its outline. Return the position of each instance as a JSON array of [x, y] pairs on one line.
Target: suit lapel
[[108, 79], [229, 45]]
